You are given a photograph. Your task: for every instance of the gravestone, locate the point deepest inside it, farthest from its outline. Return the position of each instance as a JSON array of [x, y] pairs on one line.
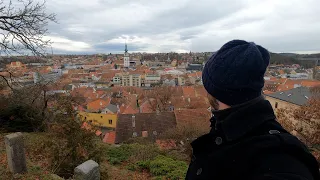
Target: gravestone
[[16, 153], [88, 170]]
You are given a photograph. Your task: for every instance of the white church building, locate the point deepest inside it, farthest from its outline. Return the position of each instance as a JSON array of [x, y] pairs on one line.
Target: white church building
[[127, 62]]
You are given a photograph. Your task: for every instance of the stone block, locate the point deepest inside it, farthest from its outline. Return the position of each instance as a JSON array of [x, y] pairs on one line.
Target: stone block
[[88, 170], [16, 153]]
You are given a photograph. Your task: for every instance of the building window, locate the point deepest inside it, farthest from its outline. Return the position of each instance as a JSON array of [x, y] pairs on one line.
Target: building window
[[110, 121], [155, 133], [134, 134], [101, 116], [85, 118], [276, 105]]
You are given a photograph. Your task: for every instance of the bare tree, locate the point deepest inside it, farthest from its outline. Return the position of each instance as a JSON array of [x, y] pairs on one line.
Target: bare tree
[[23, 27], [160, 98], [307, 118]]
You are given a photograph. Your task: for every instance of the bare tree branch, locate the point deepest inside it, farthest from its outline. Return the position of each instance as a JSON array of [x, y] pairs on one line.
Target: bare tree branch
[[23, 29]]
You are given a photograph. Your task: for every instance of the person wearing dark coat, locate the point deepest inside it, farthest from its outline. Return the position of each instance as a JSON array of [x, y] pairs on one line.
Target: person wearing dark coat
[[245, 142]]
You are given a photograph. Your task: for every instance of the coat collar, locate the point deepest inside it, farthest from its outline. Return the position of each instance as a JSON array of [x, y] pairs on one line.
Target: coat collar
[[243, 118], [235, 122]]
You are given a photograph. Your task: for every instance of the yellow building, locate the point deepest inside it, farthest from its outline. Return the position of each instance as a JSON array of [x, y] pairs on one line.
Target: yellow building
[[278, 104], [98, 119], [174, 63]]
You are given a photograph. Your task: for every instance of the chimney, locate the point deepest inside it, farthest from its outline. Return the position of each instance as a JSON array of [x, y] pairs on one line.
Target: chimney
[[133, 121], [144, 134]]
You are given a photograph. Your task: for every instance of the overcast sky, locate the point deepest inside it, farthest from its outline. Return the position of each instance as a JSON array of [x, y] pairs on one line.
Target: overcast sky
[[103, 26]]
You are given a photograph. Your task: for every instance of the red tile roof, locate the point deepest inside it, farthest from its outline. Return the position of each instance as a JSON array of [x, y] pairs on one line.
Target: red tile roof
[[110, 137], [108, 76], [98, 132], [86, 126], [130, 110], [188, 91], [284, 87], [267, 92], [196, 74], [97, 105], [193, 116], [200, 91], [310, 83], [146, 107], [122, 108]]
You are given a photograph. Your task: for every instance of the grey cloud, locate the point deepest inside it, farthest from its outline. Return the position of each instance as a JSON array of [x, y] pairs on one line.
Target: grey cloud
[[97, 21], [193, 13], [117, 47]]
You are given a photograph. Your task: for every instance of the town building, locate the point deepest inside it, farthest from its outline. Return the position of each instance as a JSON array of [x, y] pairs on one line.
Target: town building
[[194, 67], [151, 80], [127, 61], [181, 81], [131, 80], [98, 119], [16, 65], [147, 125], [292, 98], [126, 57], [116, 80]]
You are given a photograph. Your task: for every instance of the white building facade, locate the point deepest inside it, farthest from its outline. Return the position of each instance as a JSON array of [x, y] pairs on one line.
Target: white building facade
[[131, 80], [126, 58]]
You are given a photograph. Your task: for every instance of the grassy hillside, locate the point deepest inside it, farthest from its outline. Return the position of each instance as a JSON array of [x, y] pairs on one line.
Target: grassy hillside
[[129, 161]]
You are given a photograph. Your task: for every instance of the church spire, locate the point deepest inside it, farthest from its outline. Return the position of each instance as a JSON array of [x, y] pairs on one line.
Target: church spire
[[126, 48]]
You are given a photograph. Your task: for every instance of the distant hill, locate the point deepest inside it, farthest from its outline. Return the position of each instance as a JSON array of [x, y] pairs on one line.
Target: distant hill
[[288, 54], [282, 59], [308, 55], [291, 58]]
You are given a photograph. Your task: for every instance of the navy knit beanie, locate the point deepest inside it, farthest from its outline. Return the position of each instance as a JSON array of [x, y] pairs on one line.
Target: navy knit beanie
[[234, 74]]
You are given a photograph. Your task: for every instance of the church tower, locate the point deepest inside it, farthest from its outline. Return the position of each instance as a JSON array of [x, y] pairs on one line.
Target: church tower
[[126, 57]]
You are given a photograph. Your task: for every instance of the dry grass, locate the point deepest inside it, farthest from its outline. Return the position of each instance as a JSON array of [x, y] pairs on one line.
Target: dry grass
[[121, 173], [36, 161], [38, 165]]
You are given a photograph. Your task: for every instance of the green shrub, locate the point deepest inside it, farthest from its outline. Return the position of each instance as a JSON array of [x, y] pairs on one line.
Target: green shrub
[[176, 174], [132, 167], [159, 178], [163, 166], [138, 140], [144, 152], [131, 153], [116, 155], [143, 164], [178, 155]]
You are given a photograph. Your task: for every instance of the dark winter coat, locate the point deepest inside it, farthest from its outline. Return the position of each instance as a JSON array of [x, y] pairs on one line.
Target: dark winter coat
[[247, 143]]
